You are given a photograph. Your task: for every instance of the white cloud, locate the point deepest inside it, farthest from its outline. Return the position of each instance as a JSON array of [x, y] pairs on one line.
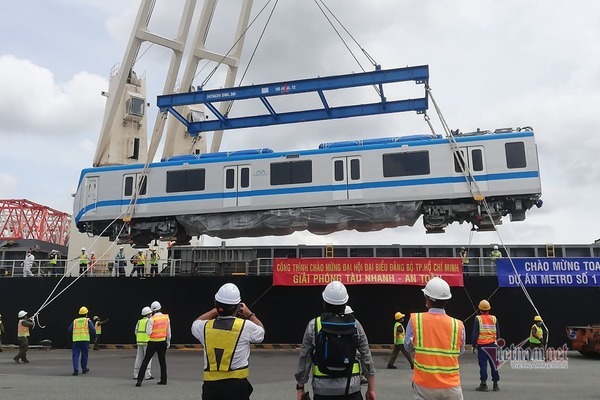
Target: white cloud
[[34, 103], [8, 185]]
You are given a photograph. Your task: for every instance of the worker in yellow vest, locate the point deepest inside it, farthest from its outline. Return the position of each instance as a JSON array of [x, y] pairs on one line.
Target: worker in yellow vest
[[158, 329], [23, 327], [485, 334], [154, 257], [437, 340], [98, 327], [83, 262], [82, 330], [141, 338], [399, 335], [537, 340], [227, 329]]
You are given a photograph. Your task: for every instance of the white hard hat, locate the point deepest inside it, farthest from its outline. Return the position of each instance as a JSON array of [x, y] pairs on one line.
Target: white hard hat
[[121, 248], [155, 306], [228, 294], [21, 314], [91, 252], [437, 289], [83, 249], [348, 310], [495, 247], [146, 310], [335, 293]]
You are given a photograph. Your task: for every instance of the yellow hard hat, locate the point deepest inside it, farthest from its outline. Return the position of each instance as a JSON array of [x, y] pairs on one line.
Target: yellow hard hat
[[484, 305], [537, 318], [398, 315], [83, 310]]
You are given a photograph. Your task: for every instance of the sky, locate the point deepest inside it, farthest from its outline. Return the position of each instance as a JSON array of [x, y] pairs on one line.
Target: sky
[[492, 64]]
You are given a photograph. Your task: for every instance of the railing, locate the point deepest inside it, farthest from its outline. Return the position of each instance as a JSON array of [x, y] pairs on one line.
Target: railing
[[99, 268], [477, 266]]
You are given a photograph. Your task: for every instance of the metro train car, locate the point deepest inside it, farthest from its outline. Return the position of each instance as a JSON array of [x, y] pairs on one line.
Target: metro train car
[[364, 185]]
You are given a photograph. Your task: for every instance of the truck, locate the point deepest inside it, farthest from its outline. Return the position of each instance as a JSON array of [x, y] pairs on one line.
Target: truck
[[585, 339]]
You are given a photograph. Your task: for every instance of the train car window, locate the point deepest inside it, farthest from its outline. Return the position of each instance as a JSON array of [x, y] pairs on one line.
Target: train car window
[[245, 178], [293, 172], [406, 164], [459, 162], [355, 169], [515, 155], [143, 180], [338, 170], [229, 178], [477, 159], [185, 181], [128, 190]]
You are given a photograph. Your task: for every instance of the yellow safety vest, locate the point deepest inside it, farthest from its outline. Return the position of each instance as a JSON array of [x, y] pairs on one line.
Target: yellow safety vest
[[160, 323], [220, 345], [54, 259], [98, 328], [83, 259], [81, 330], [538, 332], [437, 344], [22, 330], [141, 336], [154, 258], [399, 337], [487, 329], [141, 260], [316, 371]]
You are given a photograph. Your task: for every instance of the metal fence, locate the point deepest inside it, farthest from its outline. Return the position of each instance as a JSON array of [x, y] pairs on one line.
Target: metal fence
[[99, 268], [477, 266]]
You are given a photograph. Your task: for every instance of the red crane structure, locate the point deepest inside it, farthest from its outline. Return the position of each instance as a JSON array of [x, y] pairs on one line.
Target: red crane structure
[[24, 219]]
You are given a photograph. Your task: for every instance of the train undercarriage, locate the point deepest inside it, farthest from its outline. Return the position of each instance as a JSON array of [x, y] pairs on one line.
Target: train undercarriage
[[437, 215]]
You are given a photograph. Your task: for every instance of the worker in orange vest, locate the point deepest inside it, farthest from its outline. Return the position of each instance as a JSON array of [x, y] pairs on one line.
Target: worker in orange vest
[[159, 329], [485, 334], [437, 340]]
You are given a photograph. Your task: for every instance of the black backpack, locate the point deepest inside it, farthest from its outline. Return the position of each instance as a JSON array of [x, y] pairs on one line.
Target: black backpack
[[335, 344]]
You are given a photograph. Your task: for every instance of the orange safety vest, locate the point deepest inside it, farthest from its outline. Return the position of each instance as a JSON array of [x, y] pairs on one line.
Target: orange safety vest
[[487, 329], [22, 330], [437, 342], [160, 323]]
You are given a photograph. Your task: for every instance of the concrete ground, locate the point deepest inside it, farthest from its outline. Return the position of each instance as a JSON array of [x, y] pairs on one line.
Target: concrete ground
[[48, 377]]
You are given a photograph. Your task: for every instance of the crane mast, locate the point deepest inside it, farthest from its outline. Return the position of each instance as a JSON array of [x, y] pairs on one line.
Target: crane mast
[[123, 137]]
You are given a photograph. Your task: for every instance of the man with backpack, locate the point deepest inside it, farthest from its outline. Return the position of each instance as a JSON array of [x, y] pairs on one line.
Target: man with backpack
[[329, 350]]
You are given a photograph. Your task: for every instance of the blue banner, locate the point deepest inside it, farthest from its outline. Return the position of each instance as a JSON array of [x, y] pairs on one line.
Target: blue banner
[[549, 272]]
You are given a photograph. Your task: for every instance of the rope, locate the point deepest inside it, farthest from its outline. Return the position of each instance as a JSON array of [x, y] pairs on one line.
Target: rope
[[230, 105], [472, 183], [371, 60], [210, 75], [50, 299]]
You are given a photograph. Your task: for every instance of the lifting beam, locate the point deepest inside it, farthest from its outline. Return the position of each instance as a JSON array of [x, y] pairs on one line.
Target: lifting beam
[[418, 74]]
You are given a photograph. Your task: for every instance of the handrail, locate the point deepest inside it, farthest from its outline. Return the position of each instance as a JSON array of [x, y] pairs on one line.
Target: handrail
[[477, 266]]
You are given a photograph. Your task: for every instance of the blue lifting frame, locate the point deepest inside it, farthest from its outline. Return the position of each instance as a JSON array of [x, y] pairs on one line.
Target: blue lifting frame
[[419, 74]]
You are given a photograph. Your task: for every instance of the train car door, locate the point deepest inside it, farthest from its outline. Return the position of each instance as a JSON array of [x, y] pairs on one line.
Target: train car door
[[236, 186], [347, 178], [130, 185], [475, 159], [91, 194]]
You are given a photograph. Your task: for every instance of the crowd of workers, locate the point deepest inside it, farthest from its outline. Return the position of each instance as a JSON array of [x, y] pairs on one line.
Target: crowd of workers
[[431, 343]]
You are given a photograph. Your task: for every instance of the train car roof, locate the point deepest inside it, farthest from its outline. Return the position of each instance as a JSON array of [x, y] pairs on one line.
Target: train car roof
[[336, 147]]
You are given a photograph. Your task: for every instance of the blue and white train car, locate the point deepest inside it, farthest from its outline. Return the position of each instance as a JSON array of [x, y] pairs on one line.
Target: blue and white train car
[[363, 185]]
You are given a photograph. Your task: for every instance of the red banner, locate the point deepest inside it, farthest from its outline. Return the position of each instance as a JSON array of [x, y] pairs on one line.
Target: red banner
[[416, 271]]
